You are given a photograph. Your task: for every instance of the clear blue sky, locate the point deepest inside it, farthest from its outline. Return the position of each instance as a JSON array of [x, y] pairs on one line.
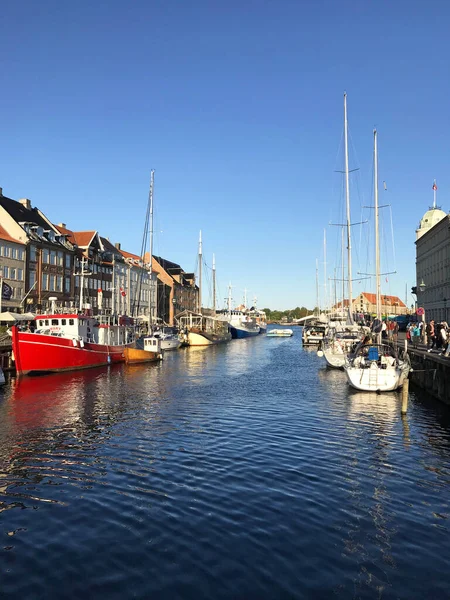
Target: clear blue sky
[[238, 107]]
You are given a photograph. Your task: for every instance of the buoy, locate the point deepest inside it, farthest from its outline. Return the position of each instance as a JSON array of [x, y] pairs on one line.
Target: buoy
[[320, 353]]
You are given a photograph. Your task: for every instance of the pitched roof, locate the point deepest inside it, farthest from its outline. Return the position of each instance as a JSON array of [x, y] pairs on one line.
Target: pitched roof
[[21, 213], [126, 254], [4, 235], [385, 299]]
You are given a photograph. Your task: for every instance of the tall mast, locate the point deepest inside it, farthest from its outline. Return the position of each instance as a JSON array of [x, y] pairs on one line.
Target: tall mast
[[150, 201], [200, 273], [245, 297], [343, 272], [317, 287], [229, 298], [377, 238], [325, 298], [434, 193], [214, 284], [347, 199]]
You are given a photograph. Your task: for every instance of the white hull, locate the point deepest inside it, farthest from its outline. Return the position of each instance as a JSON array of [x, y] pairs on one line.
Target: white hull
[[334, 358], [170, 344], [376, 378], [198, 339]]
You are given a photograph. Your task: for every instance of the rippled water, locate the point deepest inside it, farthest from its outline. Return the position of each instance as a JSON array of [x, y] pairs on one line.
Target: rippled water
[[247, 470]]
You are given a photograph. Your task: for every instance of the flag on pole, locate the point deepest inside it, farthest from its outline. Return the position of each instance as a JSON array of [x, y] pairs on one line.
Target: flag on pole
[[6, 291], [434, 186]]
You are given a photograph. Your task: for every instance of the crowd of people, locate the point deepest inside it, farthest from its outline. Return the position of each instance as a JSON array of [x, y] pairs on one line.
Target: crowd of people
[[436, 335]]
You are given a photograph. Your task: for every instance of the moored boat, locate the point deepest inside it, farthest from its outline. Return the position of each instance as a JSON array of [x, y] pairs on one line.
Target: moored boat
[[145, 350], [280, 333], [67, 342]]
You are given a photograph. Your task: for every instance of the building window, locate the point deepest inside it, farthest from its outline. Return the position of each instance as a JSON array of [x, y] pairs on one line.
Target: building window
[[59, 283], [45, 281], [14, 253], [53, 257], [52, 283], [67, 261], [12, 273], [32, 278], [67, 285], [33, 253], [60, 258], [45, 255]]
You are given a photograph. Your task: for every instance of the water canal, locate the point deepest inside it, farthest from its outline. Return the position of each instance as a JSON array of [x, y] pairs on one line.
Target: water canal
[[247, 470]]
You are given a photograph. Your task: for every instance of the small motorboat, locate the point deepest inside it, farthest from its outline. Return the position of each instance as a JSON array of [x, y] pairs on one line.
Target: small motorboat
[[147, 350], [279, 333]]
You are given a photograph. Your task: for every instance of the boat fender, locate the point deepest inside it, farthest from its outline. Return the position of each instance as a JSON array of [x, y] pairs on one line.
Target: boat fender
[[108, 360], [81, 343], [320, 353], [74, 342]]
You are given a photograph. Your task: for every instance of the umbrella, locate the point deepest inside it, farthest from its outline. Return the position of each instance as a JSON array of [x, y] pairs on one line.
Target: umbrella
[[11, 317]]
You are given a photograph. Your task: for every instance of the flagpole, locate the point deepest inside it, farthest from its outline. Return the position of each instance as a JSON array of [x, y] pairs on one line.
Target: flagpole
[[434, 193]]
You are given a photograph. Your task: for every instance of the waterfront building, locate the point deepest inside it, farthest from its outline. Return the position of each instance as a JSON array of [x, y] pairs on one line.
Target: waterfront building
[[12, 271], [49, 255], [177, 290], [433, 264], [366, 303], [139, 285]]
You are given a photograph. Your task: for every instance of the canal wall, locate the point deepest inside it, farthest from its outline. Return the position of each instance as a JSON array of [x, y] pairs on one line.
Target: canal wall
[[431, 372]]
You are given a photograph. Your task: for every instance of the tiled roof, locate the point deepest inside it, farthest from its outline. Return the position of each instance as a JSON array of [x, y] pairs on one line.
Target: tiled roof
[[385, 299], [126, 254], [4, 235]]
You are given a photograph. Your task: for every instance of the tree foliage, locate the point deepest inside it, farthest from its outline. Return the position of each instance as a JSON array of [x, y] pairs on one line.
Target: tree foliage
[[289, 315]]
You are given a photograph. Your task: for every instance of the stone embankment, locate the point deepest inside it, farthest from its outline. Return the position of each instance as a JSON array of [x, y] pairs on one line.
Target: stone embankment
[[430, 370]]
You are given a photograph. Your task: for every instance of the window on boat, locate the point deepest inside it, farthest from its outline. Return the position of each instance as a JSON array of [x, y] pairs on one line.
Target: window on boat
[[70, 321], [41, 323], [63, 321], [46, 321], [54, 321]]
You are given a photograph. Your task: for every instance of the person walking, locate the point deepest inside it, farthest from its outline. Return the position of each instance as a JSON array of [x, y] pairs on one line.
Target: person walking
[[431, 336]]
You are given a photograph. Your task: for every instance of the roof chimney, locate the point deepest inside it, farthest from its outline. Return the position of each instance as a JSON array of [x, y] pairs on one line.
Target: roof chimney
[[25, 202], [1, 191], [63, 225], [117, 245]]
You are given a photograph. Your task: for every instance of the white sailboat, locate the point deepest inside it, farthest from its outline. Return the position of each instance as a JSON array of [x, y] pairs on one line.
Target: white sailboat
[[341, 337], [376, 367]]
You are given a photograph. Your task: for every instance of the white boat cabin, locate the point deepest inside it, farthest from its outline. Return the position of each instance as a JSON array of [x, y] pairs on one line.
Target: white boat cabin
[[96, 330]]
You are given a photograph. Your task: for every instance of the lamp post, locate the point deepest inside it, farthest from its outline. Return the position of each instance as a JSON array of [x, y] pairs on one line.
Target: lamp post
[[421, 288]]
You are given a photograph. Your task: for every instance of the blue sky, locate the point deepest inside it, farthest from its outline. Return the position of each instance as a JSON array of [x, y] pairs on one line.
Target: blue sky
[[238, 108]]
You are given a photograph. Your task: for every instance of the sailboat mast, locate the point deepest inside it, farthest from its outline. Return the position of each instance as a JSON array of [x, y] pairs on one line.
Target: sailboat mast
[[317, 286], [377, 234], [343, 273], [347, 201], [325, 299], [214, 283], [200, 273], [229, 298], [150, 200]]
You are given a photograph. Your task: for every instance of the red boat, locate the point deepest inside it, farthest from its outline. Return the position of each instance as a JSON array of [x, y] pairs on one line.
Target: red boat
[[66, 342]]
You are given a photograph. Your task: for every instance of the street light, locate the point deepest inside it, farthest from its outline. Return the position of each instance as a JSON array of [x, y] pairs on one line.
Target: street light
[[421, 287]]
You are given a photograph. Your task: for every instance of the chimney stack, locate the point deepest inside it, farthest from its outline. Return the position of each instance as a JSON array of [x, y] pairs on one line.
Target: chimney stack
[[1, 191], [63, 225], [117, 245], [26, 203]]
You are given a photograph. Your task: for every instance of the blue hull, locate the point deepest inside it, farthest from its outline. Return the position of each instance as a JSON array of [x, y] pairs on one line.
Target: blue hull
[[238, 334]]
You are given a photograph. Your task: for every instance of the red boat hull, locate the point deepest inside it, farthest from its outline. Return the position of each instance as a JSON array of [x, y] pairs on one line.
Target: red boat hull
[[37, 353]]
